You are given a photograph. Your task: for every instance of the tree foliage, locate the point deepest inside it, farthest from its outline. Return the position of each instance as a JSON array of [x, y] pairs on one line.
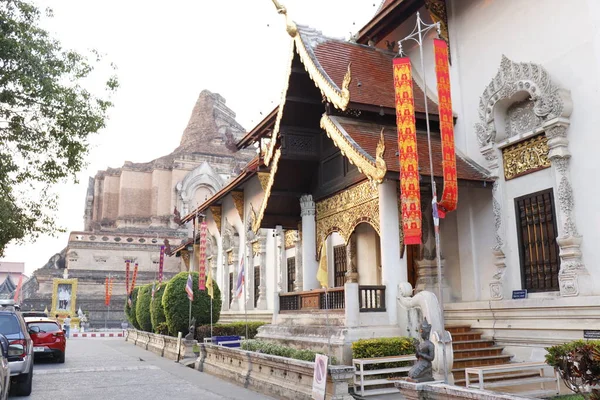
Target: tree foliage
[[46, 118], [157, 311], [130, 311], [142, 308], [176, 304]]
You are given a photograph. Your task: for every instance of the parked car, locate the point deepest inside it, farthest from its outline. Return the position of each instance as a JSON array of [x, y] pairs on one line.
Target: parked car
[[48, 338], [20, 348], [39, 314], [4, 368]]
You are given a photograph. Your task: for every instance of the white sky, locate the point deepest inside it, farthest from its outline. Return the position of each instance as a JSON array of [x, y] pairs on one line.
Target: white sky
[[166, 54]]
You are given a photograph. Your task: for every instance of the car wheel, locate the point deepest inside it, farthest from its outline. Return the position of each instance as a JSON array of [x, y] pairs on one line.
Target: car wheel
[[61, 358], [24, 384]]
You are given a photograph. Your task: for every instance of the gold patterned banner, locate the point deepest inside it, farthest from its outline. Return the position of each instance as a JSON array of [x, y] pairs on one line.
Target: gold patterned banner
[[449, 198], [410, 192]]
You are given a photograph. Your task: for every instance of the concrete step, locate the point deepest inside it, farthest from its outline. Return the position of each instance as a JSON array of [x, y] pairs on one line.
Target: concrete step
[[482, 361], [458, 328], [477, 352], [471, 344], [466, 336]]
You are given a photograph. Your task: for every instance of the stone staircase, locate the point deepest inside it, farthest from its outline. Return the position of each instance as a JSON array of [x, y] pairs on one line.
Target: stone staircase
[[471, 350]]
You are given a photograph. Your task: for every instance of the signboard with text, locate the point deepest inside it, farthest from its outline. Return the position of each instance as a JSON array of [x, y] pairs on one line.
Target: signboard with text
[[519, 294], [320, 377]]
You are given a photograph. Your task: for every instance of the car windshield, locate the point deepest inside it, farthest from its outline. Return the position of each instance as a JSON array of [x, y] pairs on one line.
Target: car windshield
[[9, 324], [45, 327]]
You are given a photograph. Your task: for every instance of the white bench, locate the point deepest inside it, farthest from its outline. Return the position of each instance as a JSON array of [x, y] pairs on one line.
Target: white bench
[[537, 367], [360, 375]]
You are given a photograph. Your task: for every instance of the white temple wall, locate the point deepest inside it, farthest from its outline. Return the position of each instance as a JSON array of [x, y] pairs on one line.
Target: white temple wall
[[368, 255], [135, 193]]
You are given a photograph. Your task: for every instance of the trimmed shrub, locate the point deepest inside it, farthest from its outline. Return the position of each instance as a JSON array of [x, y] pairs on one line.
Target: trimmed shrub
[[233, 329], [384, 347], [578, 364], [279, 350], [142, 308], [176, 304], [162, 329], [130, 311], [157, 311]]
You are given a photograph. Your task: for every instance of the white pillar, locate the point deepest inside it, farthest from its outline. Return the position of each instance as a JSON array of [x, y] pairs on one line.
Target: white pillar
[[352, 312], [309, 243], [393, 271]]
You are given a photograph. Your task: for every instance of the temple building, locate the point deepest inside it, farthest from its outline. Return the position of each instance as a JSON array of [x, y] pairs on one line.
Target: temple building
[[130, 211], [517, 273]]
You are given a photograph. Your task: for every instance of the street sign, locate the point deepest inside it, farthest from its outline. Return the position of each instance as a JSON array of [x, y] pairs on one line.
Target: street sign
[[589, 334], [319, 377], [519, 294]]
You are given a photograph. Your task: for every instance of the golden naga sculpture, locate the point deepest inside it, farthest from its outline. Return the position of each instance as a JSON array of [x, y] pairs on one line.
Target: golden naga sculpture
[[290, 26], [346, 87], [381, 166]]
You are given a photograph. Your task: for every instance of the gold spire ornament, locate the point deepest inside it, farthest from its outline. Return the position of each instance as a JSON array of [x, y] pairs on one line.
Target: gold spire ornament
[[290, 26]]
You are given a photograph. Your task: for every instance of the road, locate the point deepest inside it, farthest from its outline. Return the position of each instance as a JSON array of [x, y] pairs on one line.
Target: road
[[115, 369]]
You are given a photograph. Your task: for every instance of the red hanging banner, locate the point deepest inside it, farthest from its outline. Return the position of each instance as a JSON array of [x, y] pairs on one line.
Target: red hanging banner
[[135, 271], [410, 194], [202, 257], [127, 277], [106, 292], [110, 288], [161, 263], [449, 198]]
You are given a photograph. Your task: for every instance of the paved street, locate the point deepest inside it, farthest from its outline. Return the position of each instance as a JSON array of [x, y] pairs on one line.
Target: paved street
[[114, 369]]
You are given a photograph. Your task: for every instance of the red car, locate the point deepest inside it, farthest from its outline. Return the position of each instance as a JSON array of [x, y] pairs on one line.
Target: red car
[[48, 338]]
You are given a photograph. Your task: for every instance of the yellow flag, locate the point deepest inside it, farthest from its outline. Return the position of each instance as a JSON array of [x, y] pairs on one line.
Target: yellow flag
[[322, 275], [209, 284]]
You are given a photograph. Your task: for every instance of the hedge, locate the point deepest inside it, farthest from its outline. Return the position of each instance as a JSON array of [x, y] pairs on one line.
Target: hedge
[[232, 329], [157, 311], [130, 311], [383, 347], [176, 304], [142, 308], [278, 350]]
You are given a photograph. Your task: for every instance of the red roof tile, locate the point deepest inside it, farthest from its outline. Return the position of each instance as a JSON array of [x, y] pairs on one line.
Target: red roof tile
[[366, 135], [372, 67]]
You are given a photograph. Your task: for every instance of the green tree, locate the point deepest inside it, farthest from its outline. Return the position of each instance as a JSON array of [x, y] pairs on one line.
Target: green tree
[[176, 304], [142, 308], [157, 311], [46, 118], [130, 311]]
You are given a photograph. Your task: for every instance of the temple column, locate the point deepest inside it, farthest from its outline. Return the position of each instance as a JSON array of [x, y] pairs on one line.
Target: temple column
[[393, 271], [262, 288], [351, 292], [309, 243], [574, 278], [427, 278], [298, 284], [235, 304]]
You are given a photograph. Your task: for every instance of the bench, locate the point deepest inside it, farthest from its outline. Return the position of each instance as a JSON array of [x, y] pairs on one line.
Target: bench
[[534, 367], [361, 381]]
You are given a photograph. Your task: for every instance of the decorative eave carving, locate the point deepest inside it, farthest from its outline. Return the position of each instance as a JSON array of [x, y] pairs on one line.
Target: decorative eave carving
[[526, 157], [263, 178], [267, 190], [216, 212], [238, 201], [549, 101], [342, 212], [374, 169], [290, 238]]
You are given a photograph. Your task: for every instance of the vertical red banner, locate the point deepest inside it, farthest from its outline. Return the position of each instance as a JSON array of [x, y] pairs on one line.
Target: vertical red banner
[[161, 263], [110, 288], [127, 264], [135, 271], [18, 290], [410, 192], [449, 198], [202, 257], [106, 292]]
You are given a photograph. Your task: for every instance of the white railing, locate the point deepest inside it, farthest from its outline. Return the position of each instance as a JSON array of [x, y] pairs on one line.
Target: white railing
[[365, 378]]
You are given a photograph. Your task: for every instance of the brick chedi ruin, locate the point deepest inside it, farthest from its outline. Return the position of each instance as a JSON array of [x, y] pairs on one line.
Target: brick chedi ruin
[[129, 212]]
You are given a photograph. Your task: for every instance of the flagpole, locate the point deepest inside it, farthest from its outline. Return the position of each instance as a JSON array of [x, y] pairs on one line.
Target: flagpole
[[418, 31]]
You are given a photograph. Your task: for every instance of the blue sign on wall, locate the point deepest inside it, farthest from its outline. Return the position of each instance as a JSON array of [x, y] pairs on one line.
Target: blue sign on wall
[[519, 294]]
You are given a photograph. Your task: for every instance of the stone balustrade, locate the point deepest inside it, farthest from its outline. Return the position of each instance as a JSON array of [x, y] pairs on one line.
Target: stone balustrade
[[272, 375], [110, 238], [164, 346]]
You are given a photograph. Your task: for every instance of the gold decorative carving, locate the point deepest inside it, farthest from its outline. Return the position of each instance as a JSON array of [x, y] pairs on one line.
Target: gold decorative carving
[[342, 212], [229, 257], [290, 26], [217, 214], [238, 202], [267, 190], [526, 157], [374, 169], [185, 256], [437, 12], [72, 310], [255, 248], [263, 178], [252, 215], [290, 238]]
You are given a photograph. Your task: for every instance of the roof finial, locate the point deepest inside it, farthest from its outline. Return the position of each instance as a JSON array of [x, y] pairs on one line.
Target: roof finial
[[290, 26]]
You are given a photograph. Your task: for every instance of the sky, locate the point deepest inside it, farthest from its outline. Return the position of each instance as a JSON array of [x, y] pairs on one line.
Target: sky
[[166, 53]]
